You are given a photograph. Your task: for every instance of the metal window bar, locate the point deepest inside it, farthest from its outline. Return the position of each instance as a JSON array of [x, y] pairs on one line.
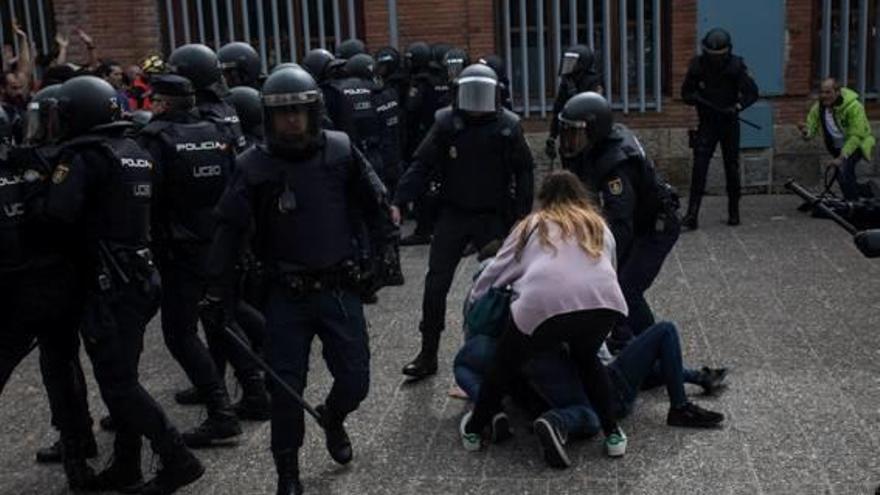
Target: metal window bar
[[393, 35], [629, 40], [850, 56], [271, 26]]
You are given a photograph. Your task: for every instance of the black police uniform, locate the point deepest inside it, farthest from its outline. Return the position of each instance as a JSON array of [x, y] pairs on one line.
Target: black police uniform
[[194, 161], [103, 185], [389, 111], [352, 109], [641, 211], [39, 291], [729, 88], [304, 214], [477, 160], [224, 115]]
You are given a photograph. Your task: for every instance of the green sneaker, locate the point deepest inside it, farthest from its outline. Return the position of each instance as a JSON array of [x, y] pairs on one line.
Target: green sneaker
[[471, 441], [615, 443]]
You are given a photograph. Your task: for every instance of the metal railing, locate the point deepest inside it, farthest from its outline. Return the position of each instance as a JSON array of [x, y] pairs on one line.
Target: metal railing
[[625, 34], [850, 44], [280, 30], [34, 17]]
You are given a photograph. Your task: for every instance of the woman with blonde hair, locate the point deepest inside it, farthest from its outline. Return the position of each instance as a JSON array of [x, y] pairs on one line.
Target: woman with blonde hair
[[559, 262]]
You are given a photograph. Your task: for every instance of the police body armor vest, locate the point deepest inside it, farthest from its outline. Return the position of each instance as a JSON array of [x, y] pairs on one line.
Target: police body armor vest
[[194, 178], [654, 195], [389, 113], [223, 114], [475, 172], [13, 254], [312, 229], [122, 212]]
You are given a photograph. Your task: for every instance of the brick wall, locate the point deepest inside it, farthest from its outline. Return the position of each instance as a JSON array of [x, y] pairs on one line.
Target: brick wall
[[124, 31]]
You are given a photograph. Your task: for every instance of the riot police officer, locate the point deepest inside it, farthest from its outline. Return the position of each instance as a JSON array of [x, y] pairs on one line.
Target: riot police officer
[[351, 109], [720, 86], [303, 226], [249, 108], [241, 64], [100, 193], [577, 73], [454, 61], [193, 162], [425, 97], [34, 275], [200, 65], [322, 65], [641, 209], [478, 149]]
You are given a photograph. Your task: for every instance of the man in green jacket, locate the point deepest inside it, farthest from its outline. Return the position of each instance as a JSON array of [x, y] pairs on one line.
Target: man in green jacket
[[845, 128]]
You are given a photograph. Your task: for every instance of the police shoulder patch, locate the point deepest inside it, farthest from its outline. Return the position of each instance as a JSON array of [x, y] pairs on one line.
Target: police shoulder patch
[[615, 186], [60, 174]]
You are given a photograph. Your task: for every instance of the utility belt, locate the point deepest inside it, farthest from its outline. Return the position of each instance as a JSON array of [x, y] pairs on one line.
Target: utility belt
[[120, 265], [346, 275]]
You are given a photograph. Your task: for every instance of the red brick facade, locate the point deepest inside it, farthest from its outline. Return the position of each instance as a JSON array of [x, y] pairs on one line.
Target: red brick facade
[[128, 31]]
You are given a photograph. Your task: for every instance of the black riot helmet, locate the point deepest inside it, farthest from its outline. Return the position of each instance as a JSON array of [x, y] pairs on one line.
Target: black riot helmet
[[585, 121], [5, 134], [495, 63], [240, 63], [87, 104], [41, 125], [361, 66], [249, 108], [289, 97], [477, 91], [717, 42], [577, 59], [387, 61], [455, 61], [285, 65], [418, 56], [349, 48], [199, 64], [317, 63], [141, 118]]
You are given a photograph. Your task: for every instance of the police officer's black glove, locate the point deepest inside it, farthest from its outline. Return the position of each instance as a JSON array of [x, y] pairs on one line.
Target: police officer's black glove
[[550, 148]]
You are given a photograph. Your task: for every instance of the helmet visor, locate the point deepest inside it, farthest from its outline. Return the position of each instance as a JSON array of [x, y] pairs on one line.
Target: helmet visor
[[477, 94], [41, 122], [573, 137], [569, 63]]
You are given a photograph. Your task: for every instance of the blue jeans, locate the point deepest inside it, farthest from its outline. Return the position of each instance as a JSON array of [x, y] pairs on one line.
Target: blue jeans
[[551, 375], [659, 345], [337, 318]]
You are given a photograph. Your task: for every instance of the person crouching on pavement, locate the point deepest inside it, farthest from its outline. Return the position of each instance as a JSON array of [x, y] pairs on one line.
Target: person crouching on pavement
[[846, 130], [559, 262]]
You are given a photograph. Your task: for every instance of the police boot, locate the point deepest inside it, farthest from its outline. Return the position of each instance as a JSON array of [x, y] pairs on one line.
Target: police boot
[[179, 467], [79, 474], [222, 425], [287, 466], [189, 397], [425, 364], [691, 219], [124, 473], [55, 452], [733, 210], [254, 403], [338, 443]]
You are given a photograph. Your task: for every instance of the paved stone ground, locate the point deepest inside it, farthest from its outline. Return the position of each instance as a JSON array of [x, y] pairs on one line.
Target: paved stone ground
[[784, 300]]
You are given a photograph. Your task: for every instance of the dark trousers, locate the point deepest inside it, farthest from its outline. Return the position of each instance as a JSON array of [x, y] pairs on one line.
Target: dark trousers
[[336, 317], [846, 176], [583, 331], [251, 321], [113, 331], [427, 210], [182, 289], [41, 306], [656, 352], [711, 131], [454, 230], [636, 275]]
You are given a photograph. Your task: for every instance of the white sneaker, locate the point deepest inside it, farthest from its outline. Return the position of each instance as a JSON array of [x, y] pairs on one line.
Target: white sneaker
[[471, 441], [615, 443]]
